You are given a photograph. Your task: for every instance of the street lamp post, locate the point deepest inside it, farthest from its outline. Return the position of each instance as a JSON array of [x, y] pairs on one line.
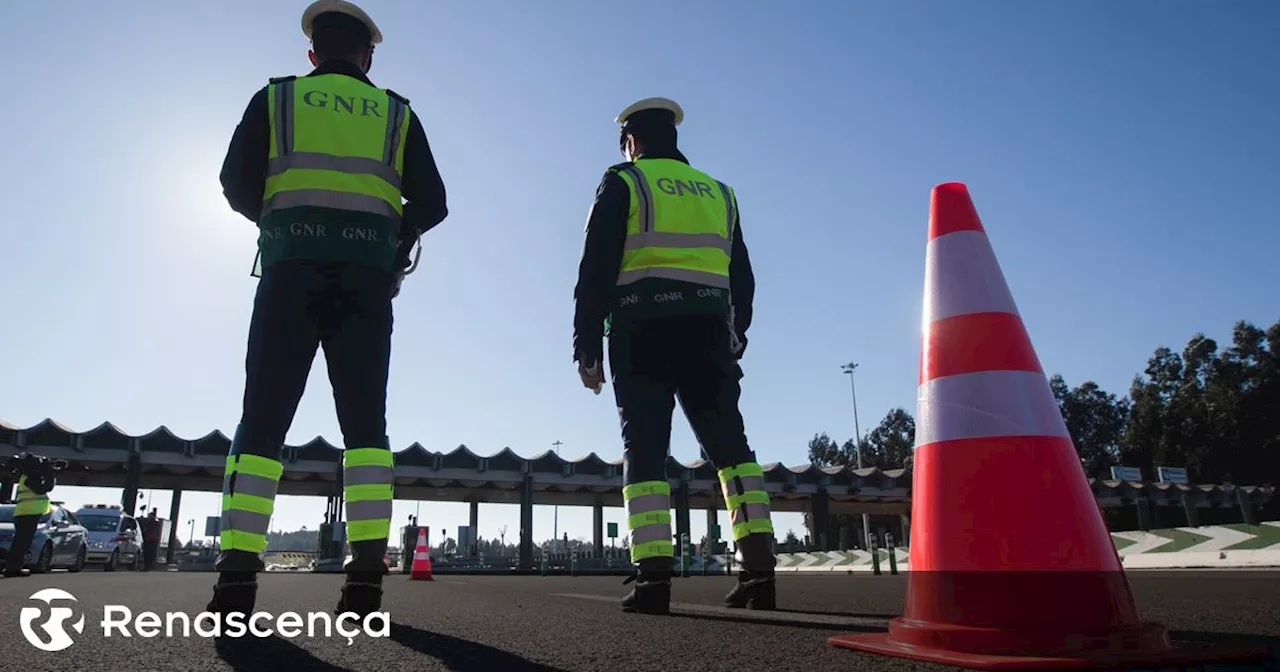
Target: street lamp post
[[191, 537], [555, 520], [857, 446]]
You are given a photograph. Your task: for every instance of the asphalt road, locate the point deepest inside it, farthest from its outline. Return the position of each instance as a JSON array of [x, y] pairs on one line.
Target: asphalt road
[[501, 624]]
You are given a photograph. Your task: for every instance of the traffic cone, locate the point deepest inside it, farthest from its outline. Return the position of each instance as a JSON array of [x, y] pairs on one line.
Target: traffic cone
[[421, 569], [1012, 566]]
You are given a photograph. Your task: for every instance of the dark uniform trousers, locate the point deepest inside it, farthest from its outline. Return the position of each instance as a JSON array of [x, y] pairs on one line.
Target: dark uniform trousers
[[653, 364], [344, 308], [24, 532]]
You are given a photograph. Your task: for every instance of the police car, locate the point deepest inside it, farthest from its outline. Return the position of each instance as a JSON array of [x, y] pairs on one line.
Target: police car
[[114, 538], [60, 541]]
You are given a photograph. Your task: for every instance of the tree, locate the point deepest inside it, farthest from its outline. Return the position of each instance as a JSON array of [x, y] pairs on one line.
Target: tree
[[1096, 421], [1208, 411], [891, 443], [823, 452]]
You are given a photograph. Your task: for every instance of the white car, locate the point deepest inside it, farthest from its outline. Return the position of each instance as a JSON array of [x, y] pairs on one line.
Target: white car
[[114, 538]]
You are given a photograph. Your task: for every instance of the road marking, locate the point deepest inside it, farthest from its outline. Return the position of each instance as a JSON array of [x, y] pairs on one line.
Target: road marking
[[834, 558], [807, 560], [1219, 538], [1272, 547], [745, 614], [1144, 542]]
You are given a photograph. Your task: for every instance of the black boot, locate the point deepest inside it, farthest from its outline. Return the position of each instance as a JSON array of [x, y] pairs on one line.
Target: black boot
[[361, 595], [754, 591], [237, 586], [652, 592], [756, 587], [235, 592]]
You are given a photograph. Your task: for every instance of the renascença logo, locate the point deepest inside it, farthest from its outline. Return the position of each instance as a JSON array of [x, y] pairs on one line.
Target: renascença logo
[[147, 624], [54, 626]]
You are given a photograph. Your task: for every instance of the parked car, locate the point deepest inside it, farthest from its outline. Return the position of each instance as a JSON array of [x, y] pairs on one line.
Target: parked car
[[114, 540], [61, 542]]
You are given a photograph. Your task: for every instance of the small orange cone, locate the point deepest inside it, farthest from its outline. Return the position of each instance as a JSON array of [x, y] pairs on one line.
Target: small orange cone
[[421, 569], [1012, 566]]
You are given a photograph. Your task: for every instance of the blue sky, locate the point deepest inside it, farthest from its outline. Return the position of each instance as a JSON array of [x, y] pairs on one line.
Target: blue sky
[[1122, 156]]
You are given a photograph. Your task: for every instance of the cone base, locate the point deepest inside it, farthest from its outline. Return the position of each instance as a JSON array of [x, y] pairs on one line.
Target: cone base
[[1147, 645], [420, 576]]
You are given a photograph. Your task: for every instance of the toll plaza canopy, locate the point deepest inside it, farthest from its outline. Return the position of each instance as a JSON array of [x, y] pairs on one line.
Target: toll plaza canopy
[[161, 460]]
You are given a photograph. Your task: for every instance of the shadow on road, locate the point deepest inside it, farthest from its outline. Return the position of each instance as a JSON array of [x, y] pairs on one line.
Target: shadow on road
[[1224, 638], [782, 622], [839, 614], [252, 654], [1228, 641], [463, 655]]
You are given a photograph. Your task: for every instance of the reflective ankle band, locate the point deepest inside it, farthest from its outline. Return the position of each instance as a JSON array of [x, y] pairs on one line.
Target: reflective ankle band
[[649, 519], [368, 485], [746, 499], [248, 500]]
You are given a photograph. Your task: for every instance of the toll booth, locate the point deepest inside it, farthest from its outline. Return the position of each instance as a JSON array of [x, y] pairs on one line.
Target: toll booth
[[331, 541], [165, 530], [408, 544], [323, 535]]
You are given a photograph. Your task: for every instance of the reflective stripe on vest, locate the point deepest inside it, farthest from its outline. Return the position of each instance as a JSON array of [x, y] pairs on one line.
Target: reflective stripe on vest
[[29, 503], [336, 143], [248, 501], [368, 485], [746, 499], [680, 225], [649, 519]]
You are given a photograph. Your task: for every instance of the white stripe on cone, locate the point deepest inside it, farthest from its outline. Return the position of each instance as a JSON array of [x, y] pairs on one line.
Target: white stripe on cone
[[962, 277], [987, 404]]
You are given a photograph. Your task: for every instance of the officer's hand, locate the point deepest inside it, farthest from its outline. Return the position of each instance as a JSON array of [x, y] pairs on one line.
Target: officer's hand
[[592, 376], [737, 344], [399, 280]]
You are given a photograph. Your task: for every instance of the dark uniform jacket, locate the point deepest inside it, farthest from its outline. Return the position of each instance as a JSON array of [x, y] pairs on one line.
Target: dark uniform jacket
[[597, 294], [244, 170]]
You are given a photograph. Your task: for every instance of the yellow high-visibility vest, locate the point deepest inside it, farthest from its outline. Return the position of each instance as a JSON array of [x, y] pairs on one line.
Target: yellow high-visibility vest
[[680, 224], [29, 503], [334, 171]]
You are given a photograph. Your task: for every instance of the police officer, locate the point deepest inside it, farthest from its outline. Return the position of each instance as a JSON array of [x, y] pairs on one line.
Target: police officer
[[665, 272], [27, 512], [323, 164], [150, 540]]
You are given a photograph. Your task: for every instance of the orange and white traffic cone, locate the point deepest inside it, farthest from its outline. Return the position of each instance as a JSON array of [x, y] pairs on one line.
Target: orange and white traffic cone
[[421, 568], [1012, 566]]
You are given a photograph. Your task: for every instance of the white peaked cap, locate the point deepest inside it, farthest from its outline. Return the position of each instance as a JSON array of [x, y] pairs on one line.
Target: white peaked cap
[[652, 104], [341, 7]]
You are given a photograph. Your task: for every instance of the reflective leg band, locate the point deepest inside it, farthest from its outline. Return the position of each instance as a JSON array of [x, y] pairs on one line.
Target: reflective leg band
[[248, 500], [368, 484], [649, 519], [746, 499]]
